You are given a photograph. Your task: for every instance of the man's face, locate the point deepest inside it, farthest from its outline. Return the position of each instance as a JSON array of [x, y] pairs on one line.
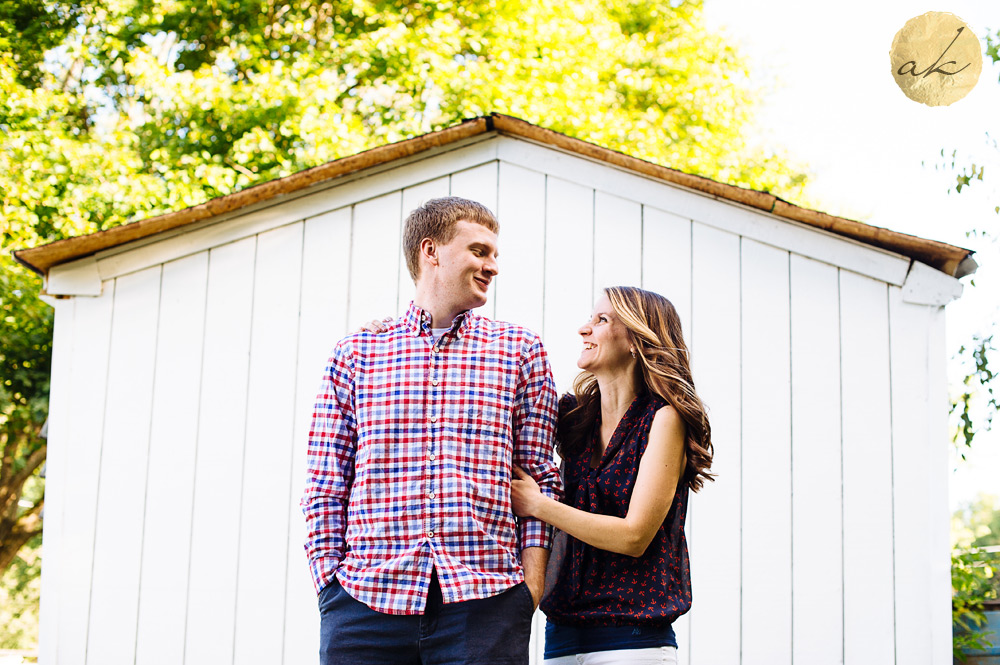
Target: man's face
[[466, 266]]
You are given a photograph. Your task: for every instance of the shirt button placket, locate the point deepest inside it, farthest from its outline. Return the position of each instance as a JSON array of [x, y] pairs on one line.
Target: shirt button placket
[[434, 402]]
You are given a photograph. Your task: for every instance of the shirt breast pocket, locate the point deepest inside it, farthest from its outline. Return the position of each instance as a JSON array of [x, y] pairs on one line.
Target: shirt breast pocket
[[486, 427], [484, 422]]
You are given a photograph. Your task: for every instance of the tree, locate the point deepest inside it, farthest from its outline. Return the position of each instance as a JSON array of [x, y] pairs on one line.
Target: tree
[[25, 360], [28, 29], [21, 584], [978, 400], [975, 572], [117, 110], [975, 576], [977, 523]]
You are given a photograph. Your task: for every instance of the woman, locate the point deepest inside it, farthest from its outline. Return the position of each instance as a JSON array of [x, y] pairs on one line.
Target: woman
[[634, 439]]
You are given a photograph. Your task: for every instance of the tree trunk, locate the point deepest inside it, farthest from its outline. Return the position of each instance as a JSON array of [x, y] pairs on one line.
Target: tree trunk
[[17, 534], [16, 527]]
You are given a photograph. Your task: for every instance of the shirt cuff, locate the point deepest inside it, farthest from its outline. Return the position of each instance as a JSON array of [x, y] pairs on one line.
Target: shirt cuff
[[323, 569], [534, 532]]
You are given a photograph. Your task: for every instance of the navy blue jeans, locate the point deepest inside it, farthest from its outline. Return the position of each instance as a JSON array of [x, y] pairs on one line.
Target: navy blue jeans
[[487, 631]]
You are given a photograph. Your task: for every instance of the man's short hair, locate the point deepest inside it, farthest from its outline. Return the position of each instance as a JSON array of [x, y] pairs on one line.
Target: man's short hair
[[437, 219]]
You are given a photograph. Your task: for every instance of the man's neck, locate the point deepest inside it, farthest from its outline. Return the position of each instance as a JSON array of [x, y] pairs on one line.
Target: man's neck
[[442, 315]]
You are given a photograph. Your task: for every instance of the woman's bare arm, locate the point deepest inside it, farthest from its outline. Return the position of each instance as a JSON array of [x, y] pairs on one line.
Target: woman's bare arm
[[655, 484]]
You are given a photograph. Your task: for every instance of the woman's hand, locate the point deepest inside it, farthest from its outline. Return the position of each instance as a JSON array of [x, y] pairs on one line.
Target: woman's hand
[[524, 494], [375, 326]]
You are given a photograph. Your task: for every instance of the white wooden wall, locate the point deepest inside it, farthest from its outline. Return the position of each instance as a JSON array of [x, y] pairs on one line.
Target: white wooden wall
[[182, 395]]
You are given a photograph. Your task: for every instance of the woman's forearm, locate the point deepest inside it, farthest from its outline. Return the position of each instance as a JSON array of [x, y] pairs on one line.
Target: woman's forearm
[[605, 532]]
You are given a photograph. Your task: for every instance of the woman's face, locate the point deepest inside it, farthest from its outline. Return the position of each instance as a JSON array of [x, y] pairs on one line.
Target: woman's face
[[605, 341]]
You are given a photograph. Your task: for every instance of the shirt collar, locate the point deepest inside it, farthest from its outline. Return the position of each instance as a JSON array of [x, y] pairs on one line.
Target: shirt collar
[[418, 321]]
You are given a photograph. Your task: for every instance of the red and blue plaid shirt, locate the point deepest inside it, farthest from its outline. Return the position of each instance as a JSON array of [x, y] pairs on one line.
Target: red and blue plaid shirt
[[410, 457]]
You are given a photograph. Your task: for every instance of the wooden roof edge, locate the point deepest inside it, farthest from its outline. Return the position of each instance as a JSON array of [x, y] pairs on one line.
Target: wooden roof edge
[[942, 256], [41, 258], [516, 126]]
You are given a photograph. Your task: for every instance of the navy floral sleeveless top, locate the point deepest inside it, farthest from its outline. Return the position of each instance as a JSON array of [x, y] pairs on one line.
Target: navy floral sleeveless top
[[597, 587]]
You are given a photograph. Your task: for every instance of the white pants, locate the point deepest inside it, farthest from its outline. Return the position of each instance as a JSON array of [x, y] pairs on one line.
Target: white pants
[[650, 656]]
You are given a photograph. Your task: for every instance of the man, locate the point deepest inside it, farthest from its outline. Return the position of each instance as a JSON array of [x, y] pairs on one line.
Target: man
[[413, 546]]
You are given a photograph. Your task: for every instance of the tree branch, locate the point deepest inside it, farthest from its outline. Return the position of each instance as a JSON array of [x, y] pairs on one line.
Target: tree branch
[[31, 519], [11, 489], [7, 462], [18, 536]]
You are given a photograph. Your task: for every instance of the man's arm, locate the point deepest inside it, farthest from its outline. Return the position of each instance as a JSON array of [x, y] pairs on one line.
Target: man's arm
[[534, 436], [330, 467], [535, 560]]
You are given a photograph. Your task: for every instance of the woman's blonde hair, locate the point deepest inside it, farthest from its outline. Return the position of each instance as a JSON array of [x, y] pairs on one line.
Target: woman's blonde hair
[[654, 330]]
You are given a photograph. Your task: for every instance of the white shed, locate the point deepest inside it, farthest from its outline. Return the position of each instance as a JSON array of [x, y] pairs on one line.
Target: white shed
[[188, 349]]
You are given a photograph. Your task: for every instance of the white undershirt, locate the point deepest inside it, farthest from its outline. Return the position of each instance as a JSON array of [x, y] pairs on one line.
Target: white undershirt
[[437, 332]]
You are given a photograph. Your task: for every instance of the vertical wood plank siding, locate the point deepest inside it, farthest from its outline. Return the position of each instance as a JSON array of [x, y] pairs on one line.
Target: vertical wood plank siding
[[910, 328], [57, 477], [182, 399], [266, 472], [869, 617], [82, 451], [114, 598], [716, 538], [568, 285], [767, 455], [166, 526], [817, 506], [938, 575], [218, 482], [617, 242]]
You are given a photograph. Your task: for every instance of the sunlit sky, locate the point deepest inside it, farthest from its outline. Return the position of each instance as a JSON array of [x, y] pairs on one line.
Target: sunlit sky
[[833, 105]]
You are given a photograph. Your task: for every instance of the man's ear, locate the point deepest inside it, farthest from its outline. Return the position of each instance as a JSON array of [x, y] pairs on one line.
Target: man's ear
[[429, 251]]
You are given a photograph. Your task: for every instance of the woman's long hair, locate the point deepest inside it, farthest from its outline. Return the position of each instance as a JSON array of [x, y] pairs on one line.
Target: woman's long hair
[[654, 329]]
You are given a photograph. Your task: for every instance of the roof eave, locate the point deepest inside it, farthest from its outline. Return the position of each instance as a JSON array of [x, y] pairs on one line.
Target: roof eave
[[40, 259], [951, 260]]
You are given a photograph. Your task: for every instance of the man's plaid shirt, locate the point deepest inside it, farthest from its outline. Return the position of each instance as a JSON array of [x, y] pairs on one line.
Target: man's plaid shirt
[[410, 457]]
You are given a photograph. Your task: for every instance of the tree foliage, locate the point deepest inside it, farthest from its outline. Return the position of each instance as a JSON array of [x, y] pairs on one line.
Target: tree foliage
[[978, 400], [974, 575], [977, 523], [975, 570], [147, 106], [21, 584], [116, 110]]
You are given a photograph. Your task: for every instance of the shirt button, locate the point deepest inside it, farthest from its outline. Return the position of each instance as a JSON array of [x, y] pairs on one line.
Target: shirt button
[[431, 495], [430, 534], [434, 419], [432, 456], [434, 382]]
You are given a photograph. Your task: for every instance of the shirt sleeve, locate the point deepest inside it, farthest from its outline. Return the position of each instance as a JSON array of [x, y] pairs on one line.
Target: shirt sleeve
[[534, 437], [330, 467]]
